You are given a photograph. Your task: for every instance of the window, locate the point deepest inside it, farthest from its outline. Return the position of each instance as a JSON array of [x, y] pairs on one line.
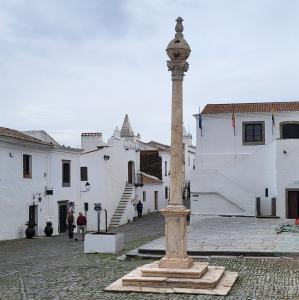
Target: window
[[254, 133], [289, 130], [83, 173], [27, 166], [66, 173], [166, 192], [165, 168], [144, 196]]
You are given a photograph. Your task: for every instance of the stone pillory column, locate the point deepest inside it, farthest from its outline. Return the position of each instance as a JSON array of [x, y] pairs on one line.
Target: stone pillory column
[[176, 272], [175, 213]]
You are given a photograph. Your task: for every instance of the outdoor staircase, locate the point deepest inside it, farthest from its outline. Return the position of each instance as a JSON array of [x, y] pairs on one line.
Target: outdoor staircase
[[122, 205], [214, 181]]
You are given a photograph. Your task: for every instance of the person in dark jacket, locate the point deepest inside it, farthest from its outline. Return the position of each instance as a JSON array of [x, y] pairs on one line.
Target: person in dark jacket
[[81, 223], [70, 225], [139, 209]]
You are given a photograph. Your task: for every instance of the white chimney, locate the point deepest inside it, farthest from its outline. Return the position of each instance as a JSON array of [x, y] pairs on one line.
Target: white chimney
[[91, 140]]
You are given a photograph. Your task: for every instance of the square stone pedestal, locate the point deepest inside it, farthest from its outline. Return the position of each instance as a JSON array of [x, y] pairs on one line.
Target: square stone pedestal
[[176, 238], [199, 279]]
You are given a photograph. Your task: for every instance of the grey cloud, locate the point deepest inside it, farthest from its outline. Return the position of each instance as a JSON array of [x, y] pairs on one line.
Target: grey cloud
[[71, 66]]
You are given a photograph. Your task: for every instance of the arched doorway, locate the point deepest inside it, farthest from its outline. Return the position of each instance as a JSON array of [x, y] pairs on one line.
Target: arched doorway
[[131, 172], [289, 130]]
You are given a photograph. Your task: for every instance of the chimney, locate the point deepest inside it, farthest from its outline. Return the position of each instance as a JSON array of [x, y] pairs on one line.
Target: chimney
[[90, 140]]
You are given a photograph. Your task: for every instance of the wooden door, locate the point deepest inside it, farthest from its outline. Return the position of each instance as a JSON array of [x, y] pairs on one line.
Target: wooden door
[[130, 172], [293, 205], [156, 200], [62, 218]]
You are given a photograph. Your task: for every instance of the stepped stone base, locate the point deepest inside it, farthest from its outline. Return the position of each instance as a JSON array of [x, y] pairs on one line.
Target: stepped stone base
[[196, 271], [199, 279]]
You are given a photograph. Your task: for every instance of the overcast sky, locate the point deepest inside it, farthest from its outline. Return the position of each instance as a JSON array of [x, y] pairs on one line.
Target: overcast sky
[[71, 66]]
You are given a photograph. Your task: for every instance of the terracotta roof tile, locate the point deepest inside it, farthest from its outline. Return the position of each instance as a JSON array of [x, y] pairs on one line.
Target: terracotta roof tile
[[263, 107], [159, 146], [150, 179], [15, 134]]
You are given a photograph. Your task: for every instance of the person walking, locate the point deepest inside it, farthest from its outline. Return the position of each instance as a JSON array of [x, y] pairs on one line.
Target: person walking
[[81, 223], [70, 225], [139, 209]]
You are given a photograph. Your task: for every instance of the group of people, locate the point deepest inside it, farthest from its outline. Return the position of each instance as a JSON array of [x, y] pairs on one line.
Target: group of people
[[81, 225], [81, 222]]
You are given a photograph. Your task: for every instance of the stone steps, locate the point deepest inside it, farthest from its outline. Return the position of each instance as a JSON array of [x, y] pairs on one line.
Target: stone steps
[[121, 207]]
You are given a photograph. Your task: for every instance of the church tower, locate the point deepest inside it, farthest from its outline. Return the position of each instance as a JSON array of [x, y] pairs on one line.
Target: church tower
[[126, 130]]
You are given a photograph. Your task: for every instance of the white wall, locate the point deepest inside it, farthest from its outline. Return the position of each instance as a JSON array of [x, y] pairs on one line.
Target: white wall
[[218, 135], [247, 170], [287, 174], [70, 194], [149, 204], [107, 178], [213, 203], [16, 192]]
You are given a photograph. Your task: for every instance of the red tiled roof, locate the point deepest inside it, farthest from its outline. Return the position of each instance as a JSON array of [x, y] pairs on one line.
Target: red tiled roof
[[159, 146], [15, 134], [150, 179], [263, 107]]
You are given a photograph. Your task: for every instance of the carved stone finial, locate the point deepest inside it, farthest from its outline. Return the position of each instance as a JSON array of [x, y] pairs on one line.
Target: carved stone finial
[[179, 28]]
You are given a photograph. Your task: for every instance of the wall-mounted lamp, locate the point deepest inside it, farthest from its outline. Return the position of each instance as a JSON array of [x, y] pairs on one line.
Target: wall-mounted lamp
[[10, 154], [106, 157], [38, 196], [284, 151], [87, 188]]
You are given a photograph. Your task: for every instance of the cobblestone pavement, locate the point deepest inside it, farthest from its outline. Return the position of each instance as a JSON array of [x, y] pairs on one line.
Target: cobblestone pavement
[[235, 234], [56, 268], [149, 226]]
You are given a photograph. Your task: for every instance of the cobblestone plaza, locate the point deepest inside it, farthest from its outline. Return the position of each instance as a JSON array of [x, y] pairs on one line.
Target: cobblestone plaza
[[56, 268]]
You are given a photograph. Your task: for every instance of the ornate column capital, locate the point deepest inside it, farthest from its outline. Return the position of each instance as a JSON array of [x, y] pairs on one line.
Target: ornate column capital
[[177, 68]]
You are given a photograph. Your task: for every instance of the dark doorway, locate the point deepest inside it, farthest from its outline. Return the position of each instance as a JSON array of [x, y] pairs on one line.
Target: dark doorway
[[293, 205], [33, 211], [131, 172], [156, 200], [290, 131], [62, 210]]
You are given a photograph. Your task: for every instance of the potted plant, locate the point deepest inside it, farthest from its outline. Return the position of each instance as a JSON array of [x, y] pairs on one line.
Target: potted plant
[[48, 229], [30, 230]]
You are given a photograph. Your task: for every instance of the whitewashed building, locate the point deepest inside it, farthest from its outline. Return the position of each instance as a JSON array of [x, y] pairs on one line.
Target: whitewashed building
[[113, 171], [247, 160], [39, 181]]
